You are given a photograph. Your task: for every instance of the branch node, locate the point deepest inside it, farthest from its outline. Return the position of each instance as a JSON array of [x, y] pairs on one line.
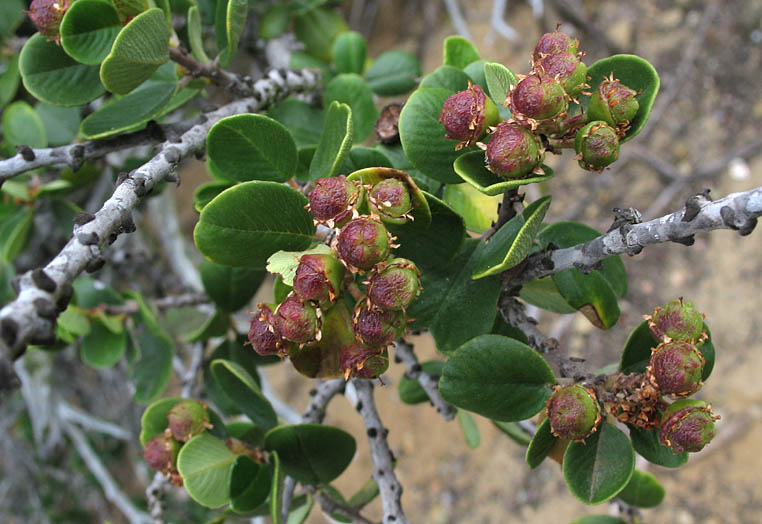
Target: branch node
[[96, 264], [43, 281], [748, 227], [80, 219], [45, 308], [9, 331], [66, 292], [88, 239], [728, 217], [686, 241], [26, 152], [172, 155]]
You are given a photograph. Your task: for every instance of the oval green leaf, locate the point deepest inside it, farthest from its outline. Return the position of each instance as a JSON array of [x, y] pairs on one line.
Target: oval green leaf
[[469, 428], [61, 123], [499, 81], [102, 348], [128, 8], [352, 90], [88, 29], [205, 464], [230, 288], [459, 52], [634, 72], [477, 209], [646, 442], [154, 420], [251, 147], [497, 377], [247, 223], [349, 53], [235, 20], [393, 73], [312, 453], [274, 22], [470, 167], [23, 126], [643, 491], [285, 263], [446, 77], [317, 28], [276, 489], [304, 121], [542, 444], [195, 35], [249, 484], [544, 294], [139, 49], [153, 370], [54, 77], [600, 467], [335, 142], [241, 388], [508, 248], [205, 193]]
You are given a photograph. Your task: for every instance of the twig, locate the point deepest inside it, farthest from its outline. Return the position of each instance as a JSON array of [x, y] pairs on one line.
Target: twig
[[497, 19], [241, 86], [189, 379], [509, 208], [461, 27], [405, 352], [71, 414], [96, 467], [737, 211], [43, 293], [169, 302], [383, 460], [74, 155], [330, 506], [155, 493]]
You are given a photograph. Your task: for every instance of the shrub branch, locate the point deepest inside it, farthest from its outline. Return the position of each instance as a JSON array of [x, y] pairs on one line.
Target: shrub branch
[[429, 383]]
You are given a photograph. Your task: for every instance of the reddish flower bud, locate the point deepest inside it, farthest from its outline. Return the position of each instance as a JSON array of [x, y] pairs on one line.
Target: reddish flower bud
[[334, 199], [318, 278], [377, 328], [597, 146], [161, 453], [187, 419], [262, 336], [395, 284], [512, 151], [357, 359], [554, 43], [568, 68], [390, 198], [538, 97], [614, 103], [47, 15], [363, 243], [677, 320], [675, 368], [467, 114], [687, 425], [574, 412], [297, 321]]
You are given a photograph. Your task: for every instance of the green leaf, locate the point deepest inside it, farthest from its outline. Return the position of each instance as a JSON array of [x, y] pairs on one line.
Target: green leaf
[[276, 489], [14, 232], [139, 49], [317, 28], [61, 123], [352, 90], [23, 126], [89, 294], [410, 390], [247, 223], [393, 73], [130, 112], [152, 371], [280, 290], [542, 444], [304, 121], [497, 377], [11, 16], [594, 294], [452, 305], [9, 79], [513, 241], [311, 453], [643, 491], [514, 431], [195, 35], [102, 348], [475, 71], [88, 29], [251, 147], [646, 442], [274, 21], [349, 53], [75, 320], [205, 193], [599, 519], [127, 8], [423, 137], [499, 81], [501, 327], [241, 388], [230, 288], [54, 77], [598, 468], [477, 209], [471, 168], [216, 325], [636, 353], [297, 515], [544, 294], [155, 418], [634, 72], [285, 263], [446, 77], [249, 484], [469, 428], [235, 20], [361, 157], [365, 494], [205, 464], [322, 359], [335, 142], [459, 52]]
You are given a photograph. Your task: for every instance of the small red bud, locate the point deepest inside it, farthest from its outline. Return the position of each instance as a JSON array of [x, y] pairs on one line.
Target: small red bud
[[677, 320], [597, 146], [574, 412], [614, 103], [161, 453], [390, 198], [676, 367], [363, 243], [318, 278], [568, 68], [553, 43], [538, 97], [467, 114], [187, 419], [512, 151], [333, 200], [395, 285], [297, 321], [687, 425], [47, 15], [262, 336], [377, 328]]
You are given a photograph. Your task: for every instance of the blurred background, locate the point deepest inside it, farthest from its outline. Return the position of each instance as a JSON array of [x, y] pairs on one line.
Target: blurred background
[[704, 133]]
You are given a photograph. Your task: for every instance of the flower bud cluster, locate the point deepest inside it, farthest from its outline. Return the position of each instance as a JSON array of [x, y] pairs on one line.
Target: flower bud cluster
[[360, 268], [541, 102]]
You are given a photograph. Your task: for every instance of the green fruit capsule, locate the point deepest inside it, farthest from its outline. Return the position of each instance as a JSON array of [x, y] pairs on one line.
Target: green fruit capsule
[[687, 425], [676, 367], [467, 115], [676, 320], [597, 146], [538, 97], [513, 151], [187, 419], [574, 412], [614, 103]]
